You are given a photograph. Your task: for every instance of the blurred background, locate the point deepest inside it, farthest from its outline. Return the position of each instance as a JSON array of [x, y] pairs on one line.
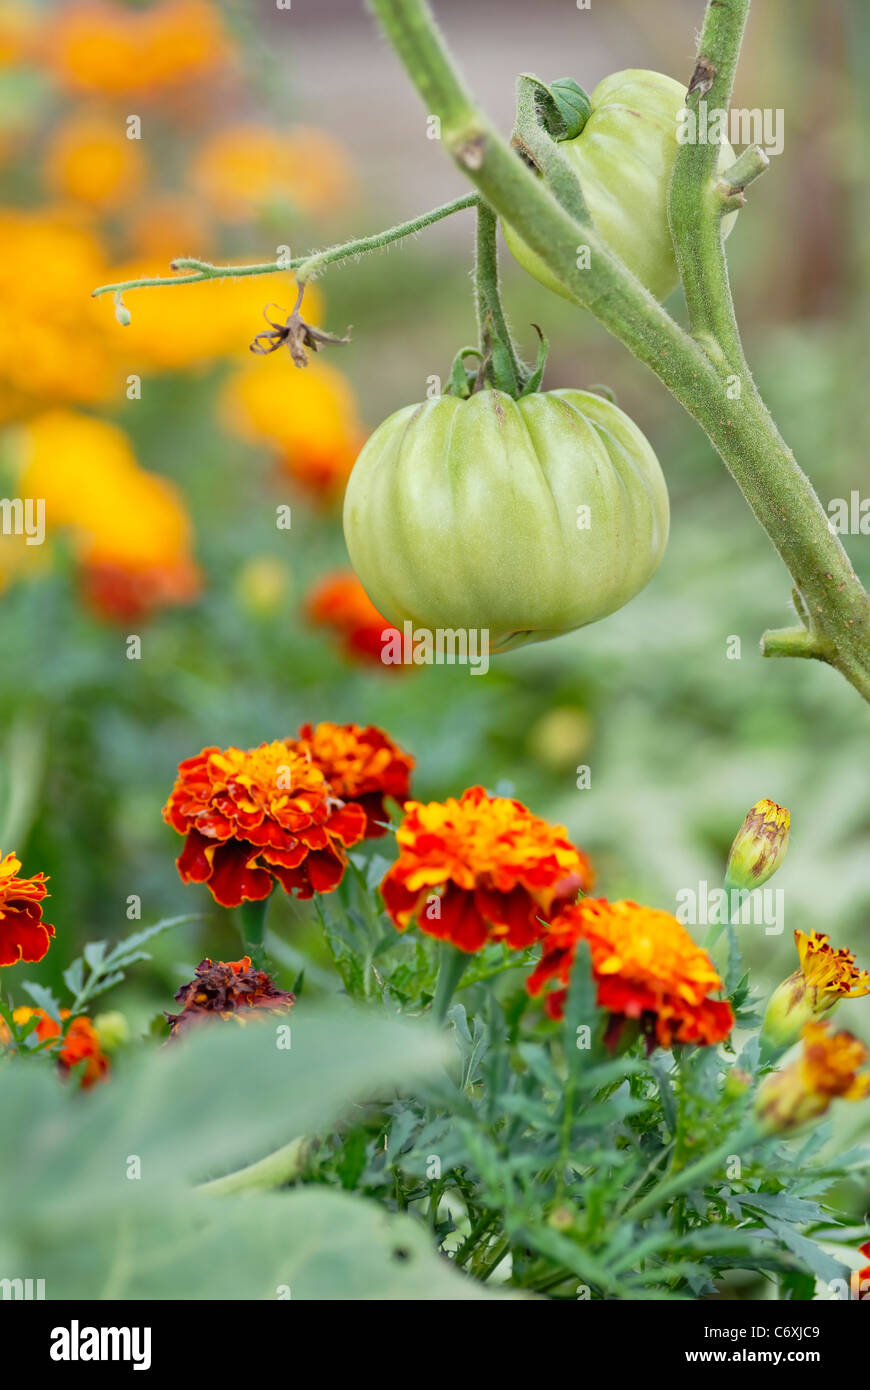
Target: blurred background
[[164, 449]]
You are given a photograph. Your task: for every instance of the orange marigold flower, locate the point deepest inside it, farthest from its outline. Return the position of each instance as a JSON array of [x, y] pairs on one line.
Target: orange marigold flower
[[360, 765], [258, 815], [827, 974], [826, 1070], [864, 1273], [94, 46], [340, 602], [246, 169], [130, 528], [646, 967], [226, 988], [311, 418], [479, 869], [80, 1044], [23, 934], [91, 161]]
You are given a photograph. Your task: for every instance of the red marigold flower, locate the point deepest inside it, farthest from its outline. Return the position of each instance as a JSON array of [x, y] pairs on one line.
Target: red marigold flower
[[646, 968], [226, 988], [479, 869], [341, 603], [864, 1273], [361, 766], [131, 592], [80, 1044], [251, 817], [23, 934]]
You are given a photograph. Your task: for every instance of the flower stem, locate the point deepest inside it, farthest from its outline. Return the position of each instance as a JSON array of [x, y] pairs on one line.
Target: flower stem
[[274, 1170], [452, 963], [707, 376], [252, 925], [310, 265]]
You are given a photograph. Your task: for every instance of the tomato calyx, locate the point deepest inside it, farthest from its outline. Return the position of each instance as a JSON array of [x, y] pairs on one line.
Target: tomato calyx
[[465, 381], [561, 108]]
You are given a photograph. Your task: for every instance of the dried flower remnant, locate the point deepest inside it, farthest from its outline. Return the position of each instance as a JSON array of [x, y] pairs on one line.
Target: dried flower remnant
[[826, 975], [227, 989], [361, 765], [23, 933], [298, 335], [253, 817], [647, 970], [481, 869]]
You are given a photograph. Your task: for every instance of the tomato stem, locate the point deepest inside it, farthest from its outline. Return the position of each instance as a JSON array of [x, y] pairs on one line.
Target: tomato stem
[[505, 371], [311, 264]]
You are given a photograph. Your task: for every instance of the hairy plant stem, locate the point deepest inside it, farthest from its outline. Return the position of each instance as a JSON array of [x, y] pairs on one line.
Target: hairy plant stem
[[504, 370], [705, 370], [310, 265]]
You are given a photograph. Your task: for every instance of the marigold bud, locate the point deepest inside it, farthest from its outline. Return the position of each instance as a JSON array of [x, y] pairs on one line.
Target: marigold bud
[[112, 1029], [759, 846]]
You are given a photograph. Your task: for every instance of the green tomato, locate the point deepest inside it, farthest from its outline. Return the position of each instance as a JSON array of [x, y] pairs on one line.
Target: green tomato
[[624, 158], [524, 519]]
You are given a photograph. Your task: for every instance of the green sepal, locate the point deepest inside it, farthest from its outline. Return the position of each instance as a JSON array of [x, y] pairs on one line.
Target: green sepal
[[534, 381], [573, 104]]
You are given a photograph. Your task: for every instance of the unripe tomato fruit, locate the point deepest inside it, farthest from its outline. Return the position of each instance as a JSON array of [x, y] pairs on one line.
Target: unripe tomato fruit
[[624, 158], [470, 514]]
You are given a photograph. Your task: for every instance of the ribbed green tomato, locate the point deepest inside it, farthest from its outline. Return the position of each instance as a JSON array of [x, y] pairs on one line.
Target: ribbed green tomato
[[624, 158], [524, 519]]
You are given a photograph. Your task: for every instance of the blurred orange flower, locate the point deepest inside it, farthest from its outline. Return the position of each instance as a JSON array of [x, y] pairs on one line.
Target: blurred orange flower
[[80, 1044], [225, 989], [646, 967], [479, 869], [245, 169], [118, 49], [19, 26], [253, 816], [90, 160], [339, 601], [310, 416], [131, 531], [360, 765], [23, 934], [826, 1070]]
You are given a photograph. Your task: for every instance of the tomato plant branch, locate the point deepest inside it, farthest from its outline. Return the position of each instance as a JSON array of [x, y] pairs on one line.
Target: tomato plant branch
[[698, 368], [307, 266]]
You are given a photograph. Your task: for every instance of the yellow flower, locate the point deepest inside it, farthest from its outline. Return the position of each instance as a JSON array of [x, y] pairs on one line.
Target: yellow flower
[[826, 975], [57, 346], [310, 416], [246, 169], [94, 46], [90, 160], [130, 529], [827, 1069], [759, 846]]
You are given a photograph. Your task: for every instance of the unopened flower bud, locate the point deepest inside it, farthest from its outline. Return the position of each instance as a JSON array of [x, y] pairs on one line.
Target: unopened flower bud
[[759, 846]]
